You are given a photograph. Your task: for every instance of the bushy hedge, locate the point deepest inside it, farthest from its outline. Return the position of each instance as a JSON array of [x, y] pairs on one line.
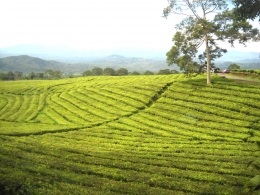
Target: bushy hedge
[[257, 72]]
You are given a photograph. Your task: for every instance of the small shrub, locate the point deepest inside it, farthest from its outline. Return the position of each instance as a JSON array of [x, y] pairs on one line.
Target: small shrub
[[254, 183]]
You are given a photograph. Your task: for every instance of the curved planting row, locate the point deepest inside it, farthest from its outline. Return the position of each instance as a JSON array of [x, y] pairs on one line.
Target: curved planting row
[[191, 139], [81, 101]]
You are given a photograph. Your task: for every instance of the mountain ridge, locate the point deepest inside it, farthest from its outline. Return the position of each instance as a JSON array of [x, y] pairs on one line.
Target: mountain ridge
[[27, 64]]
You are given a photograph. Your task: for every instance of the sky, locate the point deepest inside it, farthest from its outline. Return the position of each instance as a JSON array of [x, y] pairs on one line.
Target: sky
[[89, 24]]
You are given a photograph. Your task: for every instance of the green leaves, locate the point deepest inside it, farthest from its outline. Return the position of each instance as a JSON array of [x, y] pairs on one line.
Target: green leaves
[[233, 66], [254, 183], [247, 9], [229, 27]]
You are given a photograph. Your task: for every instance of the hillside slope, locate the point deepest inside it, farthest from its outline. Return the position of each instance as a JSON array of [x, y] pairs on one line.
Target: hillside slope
[[128, 135], [28, 64]]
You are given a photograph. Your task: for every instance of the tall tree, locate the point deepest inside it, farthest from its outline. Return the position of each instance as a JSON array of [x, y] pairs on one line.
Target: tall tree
[[199, 28]]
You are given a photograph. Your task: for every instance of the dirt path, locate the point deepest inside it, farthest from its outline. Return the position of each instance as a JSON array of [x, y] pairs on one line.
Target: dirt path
[[239, 79]]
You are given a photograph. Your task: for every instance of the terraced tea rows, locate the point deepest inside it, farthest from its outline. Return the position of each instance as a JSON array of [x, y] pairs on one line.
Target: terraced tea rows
[[128, 135]]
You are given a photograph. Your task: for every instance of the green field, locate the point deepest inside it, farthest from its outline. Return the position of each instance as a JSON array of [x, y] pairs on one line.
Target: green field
[[128, 135]]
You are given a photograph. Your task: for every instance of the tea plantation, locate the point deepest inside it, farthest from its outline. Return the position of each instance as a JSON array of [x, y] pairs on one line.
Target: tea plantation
[[128, 135]]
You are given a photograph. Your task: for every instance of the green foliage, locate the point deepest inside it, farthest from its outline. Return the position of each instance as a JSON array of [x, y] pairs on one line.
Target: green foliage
[[97, 71], [247, 9], [18, 75], [233, 66], [31, 76], [10, 76], [181, 54], [165, 71], [48, 73], [109, 72], [122, 72], [215, 53], [228, 27], [87, 73], [148, 73], [254, 183], [57, 74], [135, 73]]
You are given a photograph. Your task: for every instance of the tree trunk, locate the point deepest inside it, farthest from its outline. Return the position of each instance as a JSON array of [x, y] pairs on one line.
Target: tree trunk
[[208, 59], [207, 47]]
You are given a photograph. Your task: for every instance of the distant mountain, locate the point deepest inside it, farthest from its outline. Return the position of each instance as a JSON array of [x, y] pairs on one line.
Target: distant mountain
[[249, 61], [27, 64], [38, 58], [71, 55], [113, 57], [132, 64]]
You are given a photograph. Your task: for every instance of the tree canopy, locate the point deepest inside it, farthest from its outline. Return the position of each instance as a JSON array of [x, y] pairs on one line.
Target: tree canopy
[[122, 72], [97, 71], [109, 72], [233, 66], [249, 9]]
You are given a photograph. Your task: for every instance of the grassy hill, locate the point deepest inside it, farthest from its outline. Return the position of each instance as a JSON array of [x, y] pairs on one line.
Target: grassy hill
[[128, 135], [27, 64]]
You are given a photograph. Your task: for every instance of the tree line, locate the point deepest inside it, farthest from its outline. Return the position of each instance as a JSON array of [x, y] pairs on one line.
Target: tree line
[[17, 75], [123, 72], [56, 74]]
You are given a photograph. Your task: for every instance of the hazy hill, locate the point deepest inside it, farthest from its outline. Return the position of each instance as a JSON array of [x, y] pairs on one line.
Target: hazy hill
[[132, 64], [70, 60], [27, 64], [72, 55]]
